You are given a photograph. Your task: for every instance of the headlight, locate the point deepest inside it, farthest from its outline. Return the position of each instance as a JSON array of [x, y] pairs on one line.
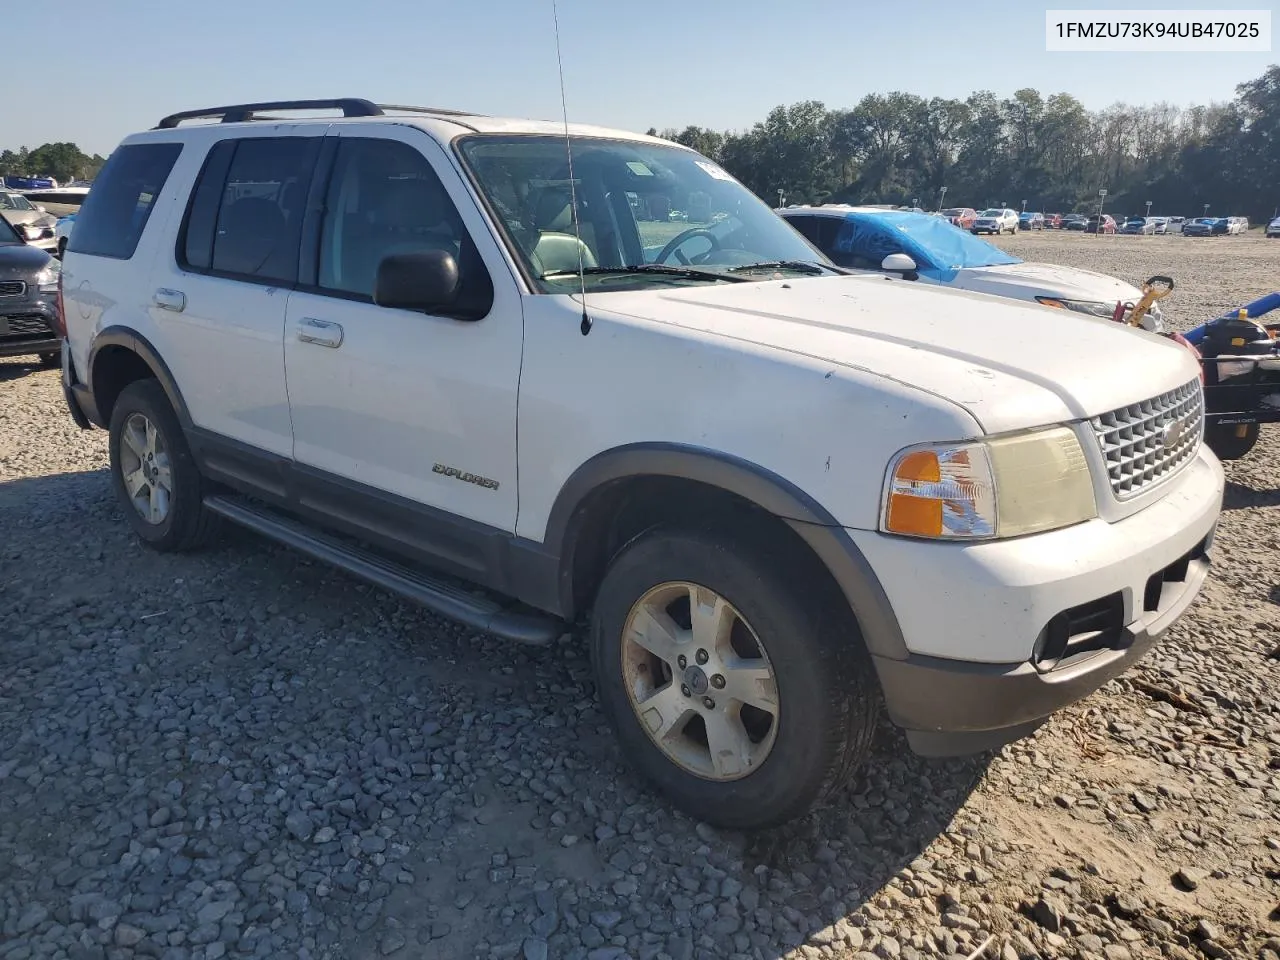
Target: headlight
[[980, 490], [1092, 307], [47, 278]]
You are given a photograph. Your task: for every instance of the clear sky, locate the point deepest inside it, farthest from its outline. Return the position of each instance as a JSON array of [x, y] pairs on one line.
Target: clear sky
[[96, 70]]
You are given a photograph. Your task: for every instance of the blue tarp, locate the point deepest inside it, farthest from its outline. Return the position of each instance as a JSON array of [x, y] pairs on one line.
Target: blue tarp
[[939, 248]]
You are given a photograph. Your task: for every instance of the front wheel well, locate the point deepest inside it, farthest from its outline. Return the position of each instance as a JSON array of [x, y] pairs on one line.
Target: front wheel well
[[618, 512], [114, 368]]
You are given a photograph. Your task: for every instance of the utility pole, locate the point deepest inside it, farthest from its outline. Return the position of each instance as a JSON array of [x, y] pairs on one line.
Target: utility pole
[[1024, 206], [1148, 209], [942, 199], [782, 198], [1102, 198]]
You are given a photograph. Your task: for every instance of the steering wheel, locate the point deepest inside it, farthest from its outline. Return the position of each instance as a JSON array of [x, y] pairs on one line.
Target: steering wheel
[[674, 244]]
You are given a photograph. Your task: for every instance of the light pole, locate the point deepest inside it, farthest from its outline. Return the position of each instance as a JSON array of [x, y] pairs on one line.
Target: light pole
[[942, 199], [1102, 198], [782, 198], [915, 202], [1024, 206], [1206, 210], [1148, 209]]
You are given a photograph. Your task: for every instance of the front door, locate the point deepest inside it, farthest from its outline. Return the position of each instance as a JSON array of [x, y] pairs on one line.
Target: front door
[[403, 421]]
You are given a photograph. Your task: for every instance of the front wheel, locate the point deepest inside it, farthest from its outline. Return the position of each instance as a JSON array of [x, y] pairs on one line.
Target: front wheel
[[743, 695], [50, 360], [154, 475], [1231, 441]]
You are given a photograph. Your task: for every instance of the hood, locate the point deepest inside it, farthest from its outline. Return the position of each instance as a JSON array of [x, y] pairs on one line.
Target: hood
[[21, 261], [1011, 366], [1026, 281], [17, 217]]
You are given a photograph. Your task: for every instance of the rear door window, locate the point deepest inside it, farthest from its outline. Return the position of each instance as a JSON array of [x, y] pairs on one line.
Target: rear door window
[[245, 215], [115, 212]]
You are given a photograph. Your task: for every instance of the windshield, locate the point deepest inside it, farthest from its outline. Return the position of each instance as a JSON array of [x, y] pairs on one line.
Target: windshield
[[14, 201], [648, 214], [992, 213], [954, 212], [7, 234]]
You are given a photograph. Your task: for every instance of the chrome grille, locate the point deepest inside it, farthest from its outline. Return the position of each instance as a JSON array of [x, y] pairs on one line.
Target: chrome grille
[[12, 288], [1146, 442]]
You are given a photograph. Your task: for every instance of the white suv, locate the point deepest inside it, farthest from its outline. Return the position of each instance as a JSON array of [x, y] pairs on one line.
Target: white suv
[[996, 220], [447, 352]]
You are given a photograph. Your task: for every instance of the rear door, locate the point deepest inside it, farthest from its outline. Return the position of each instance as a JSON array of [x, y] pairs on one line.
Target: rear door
[[220, 292]]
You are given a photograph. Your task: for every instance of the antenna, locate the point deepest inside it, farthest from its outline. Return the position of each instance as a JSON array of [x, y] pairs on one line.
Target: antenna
[[585, 326]]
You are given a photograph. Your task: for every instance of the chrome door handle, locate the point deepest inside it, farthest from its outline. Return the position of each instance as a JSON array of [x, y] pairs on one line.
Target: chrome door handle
[[320, 332], [168, 299]]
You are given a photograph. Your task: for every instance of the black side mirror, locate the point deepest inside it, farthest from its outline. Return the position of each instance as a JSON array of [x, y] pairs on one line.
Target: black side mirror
[[425, 280]]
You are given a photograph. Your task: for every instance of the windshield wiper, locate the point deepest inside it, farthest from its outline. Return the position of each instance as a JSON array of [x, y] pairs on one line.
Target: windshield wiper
[[660, 269], [800, 266]]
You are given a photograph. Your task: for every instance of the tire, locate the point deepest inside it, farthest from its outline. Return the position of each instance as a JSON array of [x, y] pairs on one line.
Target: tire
[[50, 360], [184, 523], [826, 703], [62, 248], [1223, 440]]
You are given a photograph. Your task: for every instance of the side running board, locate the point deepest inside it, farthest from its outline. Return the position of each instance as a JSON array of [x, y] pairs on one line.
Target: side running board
[[522, 625]]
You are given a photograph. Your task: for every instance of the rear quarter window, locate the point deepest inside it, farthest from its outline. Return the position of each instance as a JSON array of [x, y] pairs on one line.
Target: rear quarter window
[[115, 212]]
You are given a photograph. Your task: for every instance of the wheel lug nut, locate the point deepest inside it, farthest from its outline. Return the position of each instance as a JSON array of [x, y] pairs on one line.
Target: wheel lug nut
[[718, 682], [708, 703], [682, 661], [702, 656], [684, 689]]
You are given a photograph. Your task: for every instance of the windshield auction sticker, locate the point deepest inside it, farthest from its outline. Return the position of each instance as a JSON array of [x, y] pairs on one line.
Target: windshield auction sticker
[[1158, 31]]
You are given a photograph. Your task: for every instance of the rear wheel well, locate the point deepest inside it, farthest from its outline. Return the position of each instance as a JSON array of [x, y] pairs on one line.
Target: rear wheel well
[[618, 512], [114, 368]]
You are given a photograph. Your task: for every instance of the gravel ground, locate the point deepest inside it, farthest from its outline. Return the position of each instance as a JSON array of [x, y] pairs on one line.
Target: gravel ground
[[241, 753]]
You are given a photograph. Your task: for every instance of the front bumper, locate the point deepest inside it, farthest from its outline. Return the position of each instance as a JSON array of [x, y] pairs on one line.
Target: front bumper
[[975, 617], [27, 327]]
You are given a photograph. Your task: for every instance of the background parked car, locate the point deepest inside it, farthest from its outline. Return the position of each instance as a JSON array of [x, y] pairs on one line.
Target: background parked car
[[31, 221], [1139, 225], [1104, 224], [1236, 225], [1175, 224], [1075, 221], [1206, 227], [1030, 221], [996, 220], [920, 248], [1161, 224], [62, 233], [1053, 221], [1273, 228], [29, 286], [962, 217]]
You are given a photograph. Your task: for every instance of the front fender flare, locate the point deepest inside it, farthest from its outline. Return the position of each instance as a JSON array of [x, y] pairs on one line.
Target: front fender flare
[[764, 488]]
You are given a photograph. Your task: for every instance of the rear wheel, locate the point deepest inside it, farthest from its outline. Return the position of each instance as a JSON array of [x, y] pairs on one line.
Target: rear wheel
[[1231, 441], [155, 477], [48, 360], [743, 695]]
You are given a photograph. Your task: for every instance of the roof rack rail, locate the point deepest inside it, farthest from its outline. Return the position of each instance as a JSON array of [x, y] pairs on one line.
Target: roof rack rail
[[435, 111], [238, 113]]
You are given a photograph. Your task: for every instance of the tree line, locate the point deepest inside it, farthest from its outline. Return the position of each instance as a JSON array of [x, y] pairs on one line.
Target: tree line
[[62, 161], [987, 151]]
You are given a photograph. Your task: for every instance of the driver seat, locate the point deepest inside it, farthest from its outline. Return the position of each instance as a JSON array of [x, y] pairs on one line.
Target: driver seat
[[557, 249]]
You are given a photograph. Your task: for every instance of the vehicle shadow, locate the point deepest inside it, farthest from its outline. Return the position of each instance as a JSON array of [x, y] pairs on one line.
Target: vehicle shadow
[[1237, 496], [12, 368]]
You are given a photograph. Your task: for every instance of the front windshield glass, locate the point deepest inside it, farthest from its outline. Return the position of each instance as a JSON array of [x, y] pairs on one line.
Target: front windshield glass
[[14, 201], [992, 213], [7, 234], [648, 215]]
